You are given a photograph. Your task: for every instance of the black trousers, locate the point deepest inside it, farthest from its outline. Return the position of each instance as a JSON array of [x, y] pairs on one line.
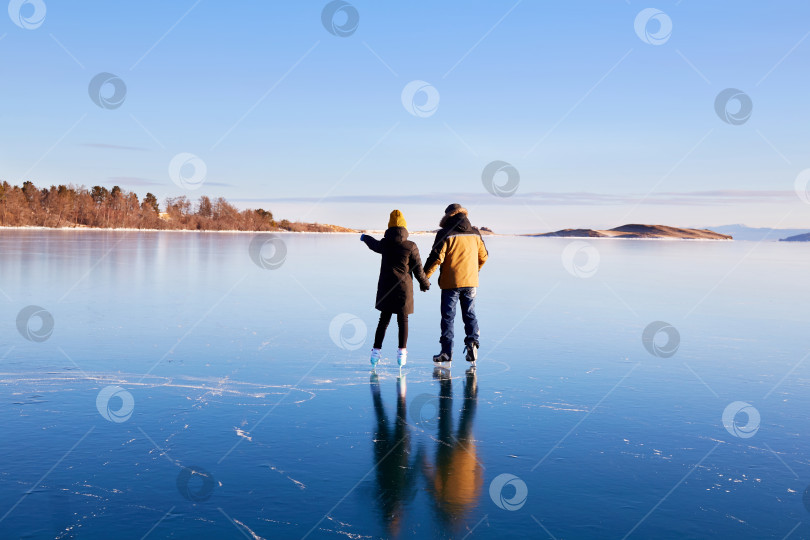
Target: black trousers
[[402, 323]]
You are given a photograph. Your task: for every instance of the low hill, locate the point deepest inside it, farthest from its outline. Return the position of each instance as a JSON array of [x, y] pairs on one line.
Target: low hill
[[798, 238], [639, 231], [756, 234]]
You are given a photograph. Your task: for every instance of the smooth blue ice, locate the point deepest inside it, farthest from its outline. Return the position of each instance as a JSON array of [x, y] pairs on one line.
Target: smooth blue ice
[[187, 392]]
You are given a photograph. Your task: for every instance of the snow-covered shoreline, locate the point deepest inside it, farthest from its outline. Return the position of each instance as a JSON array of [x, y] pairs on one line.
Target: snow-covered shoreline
[[373, 232], [132, 229]]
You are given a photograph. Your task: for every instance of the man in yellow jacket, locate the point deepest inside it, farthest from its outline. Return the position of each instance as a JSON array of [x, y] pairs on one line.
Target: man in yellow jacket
[[459, 252]]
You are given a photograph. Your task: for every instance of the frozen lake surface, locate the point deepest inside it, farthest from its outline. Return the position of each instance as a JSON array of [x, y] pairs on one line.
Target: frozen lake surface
[[169, 386]]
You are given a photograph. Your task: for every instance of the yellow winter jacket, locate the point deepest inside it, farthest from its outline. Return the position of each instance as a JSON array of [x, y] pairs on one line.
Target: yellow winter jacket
[[459, 252]]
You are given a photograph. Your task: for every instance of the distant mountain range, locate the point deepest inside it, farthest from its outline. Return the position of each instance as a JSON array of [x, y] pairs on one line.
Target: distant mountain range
[[741, 232], [639, 231]]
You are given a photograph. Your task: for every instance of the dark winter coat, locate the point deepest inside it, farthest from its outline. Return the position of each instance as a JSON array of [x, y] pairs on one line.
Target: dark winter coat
[[459, 251], [400, 261]]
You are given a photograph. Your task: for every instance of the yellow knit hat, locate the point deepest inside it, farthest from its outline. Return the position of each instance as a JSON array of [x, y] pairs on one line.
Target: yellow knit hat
[[397, 220]]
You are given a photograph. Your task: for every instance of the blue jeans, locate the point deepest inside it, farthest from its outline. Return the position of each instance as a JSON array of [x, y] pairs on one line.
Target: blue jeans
[[450, 297]]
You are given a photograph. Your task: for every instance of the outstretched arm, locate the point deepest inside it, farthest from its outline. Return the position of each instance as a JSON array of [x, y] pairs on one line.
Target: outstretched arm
[[372, 243]]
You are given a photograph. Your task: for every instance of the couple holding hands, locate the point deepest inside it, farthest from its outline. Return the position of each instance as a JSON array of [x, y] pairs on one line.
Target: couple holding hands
[[459, 253]]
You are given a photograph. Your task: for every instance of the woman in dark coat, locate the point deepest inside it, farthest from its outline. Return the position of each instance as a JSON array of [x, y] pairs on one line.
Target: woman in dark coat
[[400, 261]]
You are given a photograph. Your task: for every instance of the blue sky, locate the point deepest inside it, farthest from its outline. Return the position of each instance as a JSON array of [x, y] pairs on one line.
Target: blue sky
[[603, 127]]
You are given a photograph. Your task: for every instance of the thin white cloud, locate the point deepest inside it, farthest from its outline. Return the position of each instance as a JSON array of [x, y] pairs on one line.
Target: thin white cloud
[[686, 198], [105, 146], [132, 181]]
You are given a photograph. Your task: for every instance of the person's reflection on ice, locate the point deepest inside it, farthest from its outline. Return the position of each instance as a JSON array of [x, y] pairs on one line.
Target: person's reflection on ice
[[456, 477]]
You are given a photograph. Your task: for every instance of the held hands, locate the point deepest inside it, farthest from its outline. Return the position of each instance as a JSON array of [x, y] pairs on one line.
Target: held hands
[[424, 287]]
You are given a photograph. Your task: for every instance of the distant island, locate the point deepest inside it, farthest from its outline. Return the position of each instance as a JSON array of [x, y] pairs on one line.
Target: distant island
[[100, 208], [798, 238], [639, 231]]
